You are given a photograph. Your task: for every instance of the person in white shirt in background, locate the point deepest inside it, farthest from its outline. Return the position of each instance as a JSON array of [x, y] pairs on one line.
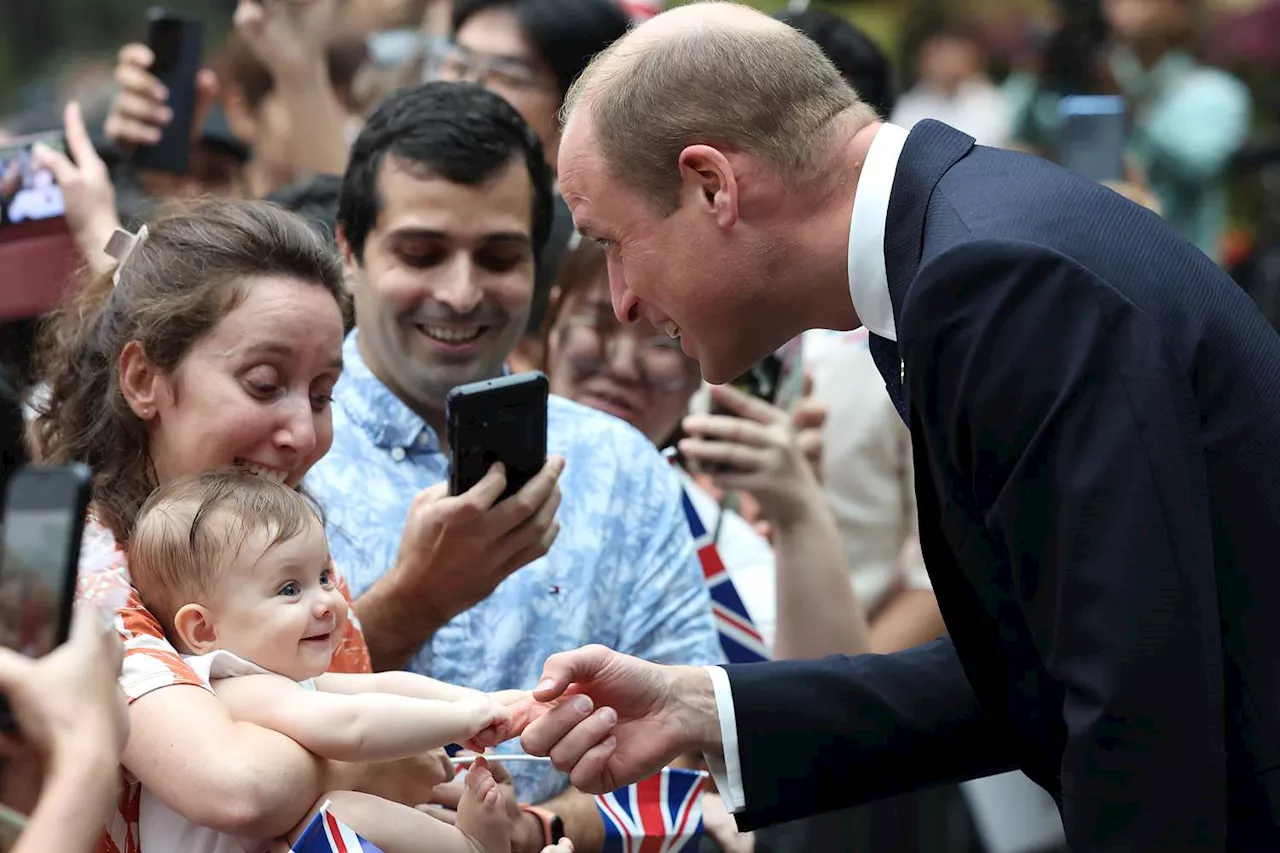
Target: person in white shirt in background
[[952, 86]]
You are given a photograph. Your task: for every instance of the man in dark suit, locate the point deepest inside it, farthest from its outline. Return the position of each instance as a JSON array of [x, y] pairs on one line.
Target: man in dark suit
[[1095, 412]]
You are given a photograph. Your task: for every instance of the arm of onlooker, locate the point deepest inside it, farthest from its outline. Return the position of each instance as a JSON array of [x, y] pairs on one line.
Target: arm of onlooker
[[292, 41], [1196, 129], [453, 553], [910, 618], [68, 706], [817, 613], [86, 188], [355, 726]]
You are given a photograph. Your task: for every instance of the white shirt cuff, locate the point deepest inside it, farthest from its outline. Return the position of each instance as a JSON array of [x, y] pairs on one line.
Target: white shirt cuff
[[726, 769]]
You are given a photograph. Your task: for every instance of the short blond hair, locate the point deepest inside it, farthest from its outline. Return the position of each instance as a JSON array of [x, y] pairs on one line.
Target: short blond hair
[[190, 527], [765, 90]]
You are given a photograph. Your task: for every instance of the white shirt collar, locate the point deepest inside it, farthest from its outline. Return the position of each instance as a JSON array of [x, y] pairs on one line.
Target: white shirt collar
[[868, 278]]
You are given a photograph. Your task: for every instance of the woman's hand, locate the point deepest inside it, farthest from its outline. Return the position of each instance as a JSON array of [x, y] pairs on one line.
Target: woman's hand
[[760, 447], [68, 704], [86, 187]]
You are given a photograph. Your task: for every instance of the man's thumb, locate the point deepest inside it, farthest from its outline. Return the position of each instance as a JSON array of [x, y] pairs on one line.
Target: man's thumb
[[566, 668]]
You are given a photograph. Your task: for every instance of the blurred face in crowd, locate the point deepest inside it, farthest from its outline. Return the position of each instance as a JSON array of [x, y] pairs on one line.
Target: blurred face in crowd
[[253, 392], [446, 282], [1140, 22], [634, 372], [702, 274], [490, 48], [947, 61]]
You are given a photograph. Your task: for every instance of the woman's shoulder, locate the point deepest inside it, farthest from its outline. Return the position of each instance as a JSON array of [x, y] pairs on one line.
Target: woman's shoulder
[[103, 565]]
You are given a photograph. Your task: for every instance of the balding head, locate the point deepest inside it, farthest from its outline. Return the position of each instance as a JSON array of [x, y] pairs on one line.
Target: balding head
[[718, 74]]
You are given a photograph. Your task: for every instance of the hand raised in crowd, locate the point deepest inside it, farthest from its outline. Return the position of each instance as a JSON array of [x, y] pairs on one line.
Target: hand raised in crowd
[[444, 801], [86, 187], [288, 35], [68, 703], [139, 112], [609, 719], [759, 444]]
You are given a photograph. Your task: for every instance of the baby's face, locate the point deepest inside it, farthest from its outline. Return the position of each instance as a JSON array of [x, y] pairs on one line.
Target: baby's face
[[280, 607]]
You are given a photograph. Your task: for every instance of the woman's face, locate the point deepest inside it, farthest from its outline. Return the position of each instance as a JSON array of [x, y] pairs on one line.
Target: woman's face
[[635, 372], [254, 391]]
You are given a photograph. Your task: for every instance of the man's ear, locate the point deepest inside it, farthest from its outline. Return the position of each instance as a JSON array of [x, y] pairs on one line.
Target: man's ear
[[708, 180], [193, 624], [143, 385], [350, 263]]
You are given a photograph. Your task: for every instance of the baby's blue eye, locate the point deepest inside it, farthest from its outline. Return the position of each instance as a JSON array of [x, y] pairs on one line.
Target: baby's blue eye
[[290, 589]]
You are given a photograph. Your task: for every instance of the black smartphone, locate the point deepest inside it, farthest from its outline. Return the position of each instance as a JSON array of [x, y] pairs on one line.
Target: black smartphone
[[44, 514], [175, 41], [497, 420], [1091, 140]]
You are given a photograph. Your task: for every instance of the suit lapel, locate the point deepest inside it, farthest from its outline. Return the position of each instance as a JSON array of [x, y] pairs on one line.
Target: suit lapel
[[931, 149]]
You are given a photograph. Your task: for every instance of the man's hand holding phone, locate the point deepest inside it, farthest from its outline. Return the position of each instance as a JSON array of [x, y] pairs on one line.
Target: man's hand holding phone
[[460, 548], [454, 552]]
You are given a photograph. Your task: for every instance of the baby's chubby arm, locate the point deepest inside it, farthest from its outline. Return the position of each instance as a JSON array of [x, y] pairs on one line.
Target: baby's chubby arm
[[518, 702], [357, 726]]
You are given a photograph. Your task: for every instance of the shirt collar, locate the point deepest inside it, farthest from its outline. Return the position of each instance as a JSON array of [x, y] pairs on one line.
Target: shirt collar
[[374, 408], [868, 277]]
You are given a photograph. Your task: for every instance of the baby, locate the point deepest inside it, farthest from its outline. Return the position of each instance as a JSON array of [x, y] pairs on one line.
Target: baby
[[236, 568]]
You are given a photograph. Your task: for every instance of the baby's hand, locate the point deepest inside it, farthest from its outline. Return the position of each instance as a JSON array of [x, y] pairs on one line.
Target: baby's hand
[[513, 715], [487, 720]]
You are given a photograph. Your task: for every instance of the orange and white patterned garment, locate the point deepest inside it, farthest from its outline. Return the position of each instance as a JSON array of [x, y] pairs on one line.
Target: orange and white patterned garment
[[151, 662]]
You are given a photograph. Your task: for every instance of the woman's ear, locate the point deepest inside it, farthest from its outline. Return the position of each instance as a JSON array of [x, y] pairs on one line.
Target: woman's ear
[[141, 382], [193, 623]]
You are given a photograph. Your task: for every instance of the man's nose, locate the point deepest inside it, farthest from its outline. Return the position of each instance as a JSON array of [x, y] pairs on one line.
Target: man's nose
[[459, 289], [625, 304]]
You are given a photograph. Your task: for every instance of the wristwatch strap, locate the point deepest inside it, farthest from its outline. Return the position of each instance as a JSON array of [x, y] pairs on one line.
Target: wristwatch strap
[[552, 824]]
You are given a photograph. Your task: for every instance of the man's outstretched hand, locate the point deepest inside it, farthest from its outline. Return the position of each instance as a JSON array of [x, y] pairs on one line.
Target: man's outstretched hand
[[609, 720]]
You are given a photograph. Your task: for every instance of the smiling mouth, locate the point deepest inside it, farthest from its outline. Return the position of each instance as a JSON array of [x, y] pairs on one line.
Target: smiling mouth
[[452, 335], [274, 474], [318, 638]]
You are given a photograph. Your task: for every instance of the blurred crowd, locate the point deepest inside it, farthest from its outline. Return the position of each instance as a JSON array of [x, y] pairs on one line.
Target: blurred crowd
[[417, 242]]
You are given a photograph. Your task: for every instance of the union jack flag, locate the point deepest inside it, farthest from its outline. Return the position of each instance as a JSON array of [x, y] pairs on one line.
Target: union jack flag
[[661, 814], [739, 638], [326, 834]]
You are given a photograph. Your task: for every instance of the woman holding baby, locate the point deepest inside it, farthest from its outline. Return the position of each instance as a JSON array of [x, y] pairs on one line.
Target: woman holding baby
[[213, 342]]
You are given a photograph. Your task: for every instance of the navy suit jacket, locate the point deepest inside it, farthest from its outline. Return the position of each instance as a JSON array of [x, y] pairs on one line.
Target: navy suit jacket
[[1095, 415]]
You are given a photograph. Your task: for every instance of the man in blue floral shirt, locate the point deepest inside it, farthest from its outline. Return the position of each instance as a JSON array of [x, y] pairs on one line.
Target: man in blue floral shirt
[[444, 206]]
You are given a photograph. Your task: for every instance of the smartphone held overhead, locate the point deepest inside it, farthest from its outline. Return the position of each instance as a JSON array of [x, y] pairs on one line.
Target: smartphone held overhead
[[175, 43]]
